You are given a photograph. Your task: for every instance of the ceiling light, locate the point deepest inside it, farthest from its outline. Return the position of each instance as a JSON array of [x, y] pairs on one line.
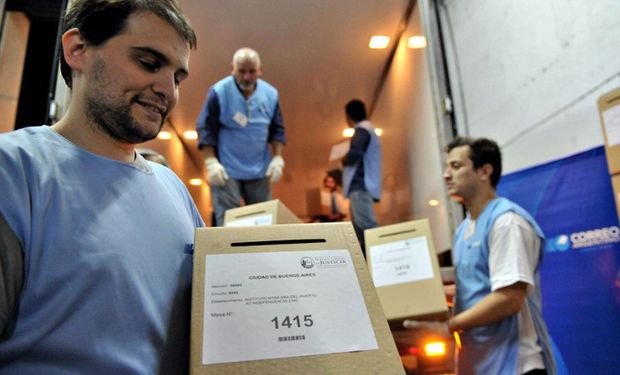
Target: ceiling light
[[190, 134], [417, 42], [378, 132], [379, 41], [348, 132], [195, 181], [433, 202], [165, 135]]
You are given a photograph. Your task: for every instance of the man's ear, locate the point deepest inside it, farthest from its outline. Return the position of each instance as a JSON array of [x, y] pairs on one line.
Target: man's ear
[[485, 172], [73, 49]]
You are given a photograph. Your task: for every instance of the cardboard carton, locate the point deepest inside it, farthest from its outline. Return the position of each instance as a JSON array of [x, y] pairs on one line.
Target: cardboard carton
[[405, 270], [243, 246], [265, 213], [609, 112], [615, 182]]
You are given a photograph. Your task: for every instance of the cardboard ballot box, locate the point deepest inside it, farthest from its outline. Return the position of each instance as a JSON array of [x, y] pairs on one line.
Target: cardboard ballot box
[[405, 271], [615, 182], [265, 213], [286, 299], [609, 112]]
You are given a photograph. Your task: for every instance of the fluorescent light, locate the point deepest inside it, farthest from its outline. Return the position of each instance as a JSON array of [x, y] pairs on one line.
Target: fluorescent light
[[190, 134], [348, 132], [195, 181], [417, 42], [165, 135], [379, 41]]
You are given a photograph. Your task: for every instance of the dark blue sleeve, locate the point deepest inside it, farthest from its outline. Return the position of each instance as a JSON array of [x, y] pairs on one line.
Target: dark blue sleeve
[[359, 143], [276, 128], [208, 123]]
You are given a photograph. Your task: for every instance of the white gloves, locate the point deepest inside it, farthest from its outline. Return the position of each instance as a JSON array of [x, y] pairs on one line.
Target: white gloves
[[275, 168], [216, 172]]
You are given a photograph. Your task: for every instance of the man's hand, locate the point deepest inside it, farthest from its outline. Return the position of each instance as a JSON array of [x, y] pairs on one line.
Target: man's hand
[[216, 172], [275, 168], [440, 328]]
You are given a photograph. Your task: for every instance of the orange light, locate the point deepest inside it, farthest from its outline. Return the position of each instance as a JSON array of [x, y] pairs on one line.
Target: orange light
[[435, 349], [190, 134], [165, 135], [379, 41], [416, 42]]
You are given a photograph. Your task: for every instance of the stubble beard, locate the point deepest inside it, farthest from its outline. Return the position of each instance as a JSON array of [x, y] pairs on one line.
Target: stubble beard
[[113, 117]]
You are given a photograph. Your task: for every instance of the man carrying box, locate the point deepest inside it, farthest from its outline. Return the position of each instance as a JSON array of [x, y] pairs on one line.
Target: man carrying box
[[497, 253]]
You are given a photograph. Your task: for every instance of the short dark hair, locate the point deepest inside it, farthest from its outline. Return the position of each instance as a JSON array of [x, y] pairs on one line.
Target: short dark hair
[[481, 151], [356, 110], [100, 20]]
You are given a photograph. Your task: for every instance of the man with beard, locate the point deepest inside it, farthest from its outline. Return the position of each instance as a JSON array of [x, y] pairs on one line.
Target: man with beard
[[241, 118], [95, 274]]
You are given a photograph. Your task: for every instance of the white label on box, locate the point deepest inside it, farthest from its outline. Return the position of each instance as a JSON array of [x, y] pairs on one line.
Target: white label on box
[[283, 304], [266, 219], [611, 119], [401, 262]]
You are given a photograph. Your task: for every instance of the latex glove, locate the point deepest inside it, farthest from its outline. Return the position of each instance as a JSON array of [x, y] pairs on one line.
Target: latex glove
[[275, 168], [440, 328], [216, 172]]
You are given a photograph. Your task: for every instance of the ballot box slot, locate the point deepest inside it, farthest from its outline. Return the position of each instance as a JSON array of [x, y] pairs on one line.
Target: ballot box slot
[[278, 242], [397, 233], [250, 214]]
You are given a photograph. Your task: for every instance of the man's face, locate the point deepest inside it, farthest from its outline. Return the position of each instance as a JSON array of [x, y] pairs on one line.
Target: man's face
[[462, 180], [132, 82], [246, 73]]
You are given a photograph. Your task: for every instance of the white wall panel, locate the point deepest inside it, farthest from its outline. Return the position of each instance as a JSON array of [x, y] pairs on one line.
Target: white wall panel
[[528, 73]]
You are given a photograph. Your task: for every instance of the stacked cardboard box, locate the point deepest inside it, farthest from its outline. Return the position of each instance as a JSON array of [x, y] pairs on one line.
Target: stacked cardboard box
[[405, 271], [265, 213], [609, 111]]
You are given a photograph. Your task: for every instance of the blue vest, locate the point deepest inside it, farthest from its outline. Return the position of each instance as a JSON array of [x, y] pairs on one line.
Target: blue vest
[[243, 149], [106, 277], [371, 162], [492, 349]]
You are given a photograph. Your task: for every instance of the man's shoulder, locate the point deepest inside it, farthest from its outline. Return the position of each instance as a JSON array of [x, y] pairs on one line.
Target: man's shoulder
[[224, 82], [266, 86], [23, 139]]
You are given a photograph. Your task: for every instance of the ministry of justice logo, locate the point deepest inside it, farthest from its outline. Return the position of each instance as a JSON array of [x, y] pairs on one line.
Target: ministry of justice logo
[[307, 262]]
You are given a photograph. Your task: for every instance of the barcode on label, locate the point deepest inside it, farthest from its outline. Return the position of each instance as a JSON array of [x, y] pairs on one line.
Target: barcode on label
[[292, 338]]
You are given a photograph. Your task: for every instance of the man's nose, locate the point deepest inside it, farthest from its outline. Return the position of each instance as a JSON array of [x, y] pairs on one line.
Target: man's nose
[[166, 87]]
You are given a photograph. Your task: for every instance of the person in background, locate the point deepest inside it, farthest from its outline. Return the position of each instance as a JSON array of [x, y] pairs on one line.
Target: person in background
[[336, 200], [240, 120], [497, 253], [362, 170], [337, 205], [95, 271], [152, 155]]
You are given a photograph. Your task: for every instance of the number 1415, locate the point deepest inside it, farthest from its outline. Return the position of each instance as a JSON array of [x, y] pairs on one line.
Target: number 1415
[[293, 321]]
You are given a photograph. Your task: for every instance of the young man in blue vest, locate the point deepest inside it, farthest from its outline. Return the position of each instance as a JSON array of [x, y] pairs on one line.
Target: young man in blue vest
[[361, 175], [94, 273], [497, 253], [240, 120]]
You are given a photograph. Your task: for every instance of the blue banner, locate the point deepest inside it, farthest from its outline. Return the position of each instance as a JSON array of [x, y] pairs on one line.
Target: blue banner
[[573, 202]]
